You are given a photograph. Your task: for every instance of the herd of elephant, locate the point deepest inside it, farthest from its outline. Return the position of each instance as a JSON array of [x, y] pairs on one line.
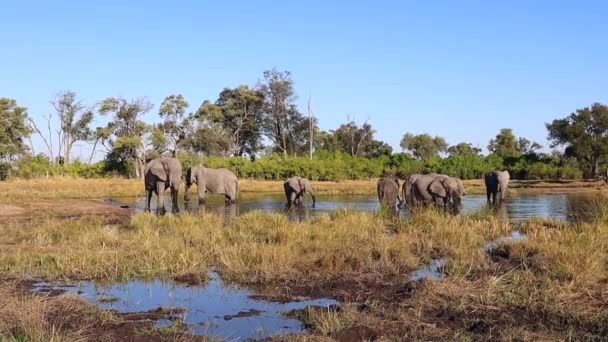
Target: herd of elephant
[[436, 189], [418, 189]]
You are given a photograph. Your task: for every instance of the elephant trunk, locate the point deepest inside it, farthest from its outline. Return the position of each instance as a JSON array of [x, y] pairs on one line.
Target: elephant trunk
[[189, 182], [314, 200]]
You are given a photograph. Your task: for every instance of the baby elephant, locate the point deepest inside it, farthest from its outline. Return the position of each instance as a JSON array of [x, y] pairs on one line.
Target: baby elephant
[[215, 181], [295, 187], [388, 192]]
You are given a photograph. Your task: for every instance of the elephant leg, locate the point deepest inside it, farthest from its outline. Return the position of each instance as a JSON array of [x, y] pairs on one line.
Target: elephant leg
[[202, 196], [293, 198], [174, 193], [160, 204], [488, 194], [228, 200], [494, 197], [148, 200]]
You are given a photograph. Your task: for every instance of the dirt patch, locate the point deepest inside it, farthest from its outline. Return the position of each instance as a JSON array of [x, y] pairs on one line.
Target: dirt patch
[[10, 210], [356, 333], [190, 279], [66, 208], [241, 314]]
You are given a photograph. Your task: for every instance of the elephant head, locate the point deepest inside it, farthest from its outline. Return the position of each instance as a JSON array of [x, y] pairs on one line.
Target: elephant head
[[295, 187], [447, 190]]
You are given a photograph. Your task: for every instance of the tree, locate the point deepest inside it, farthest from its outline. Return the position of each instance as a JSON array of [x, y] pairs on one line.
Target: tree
[[13, 129], [172, 110], [527, 147], [282, 121], [464, 149], [505, 144], [584, 133], [238, 112], [74, 119], [354, 139], [423, 146], [127, 131]]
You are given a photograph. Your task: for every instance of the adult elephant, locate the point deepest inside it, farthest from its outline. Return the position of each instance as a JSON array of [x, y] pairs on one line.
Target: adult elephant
[[407, 194], [388, 192], [160, 174], [447, 191], [420, 192], [497, 182], [295, 187], [215, 181]]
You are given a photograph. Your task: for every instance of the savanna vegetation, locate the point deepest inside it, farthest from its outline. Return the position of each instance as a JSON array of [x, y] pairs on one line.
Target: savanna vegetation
[[259, 132]]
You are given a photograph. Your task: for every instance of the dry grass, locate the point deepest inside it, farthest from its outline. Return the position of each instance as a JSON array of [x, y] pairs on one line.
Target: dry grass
[[39, 318]]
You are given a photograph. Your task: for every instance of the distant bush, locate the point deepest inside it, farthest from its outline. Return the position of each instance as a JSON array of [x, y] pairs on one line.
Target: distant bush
[[326, 166]]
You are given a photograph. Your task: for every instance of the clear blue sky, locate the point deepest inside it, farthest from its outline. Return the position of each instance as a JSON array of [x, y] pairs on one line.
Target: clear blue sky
[[461, 70]]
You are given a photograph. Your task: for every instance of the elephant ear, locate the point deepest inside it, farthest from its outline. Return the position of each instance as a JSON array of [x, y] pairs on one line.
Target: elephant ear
[[437, 188], [301, 185], [158, 169]]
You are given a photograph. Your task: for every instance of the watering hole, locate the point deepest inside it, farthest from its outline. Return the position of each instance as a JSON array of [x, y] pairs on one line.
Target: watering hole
[[214, 309], [556, 206]]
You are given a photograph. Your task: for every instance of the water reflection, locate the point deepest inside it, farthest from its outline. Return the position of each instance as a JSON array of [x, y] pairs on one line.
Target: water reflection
[[557, 206]]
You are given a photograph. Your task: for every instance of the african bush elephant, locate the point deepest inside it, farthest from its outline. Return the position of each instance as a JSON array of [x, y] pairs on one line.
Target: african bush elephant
[[420, 194], [215, 181], [388, 192], [497, 181], [159, 174], [447, 191], [407, 194], [295, 187]]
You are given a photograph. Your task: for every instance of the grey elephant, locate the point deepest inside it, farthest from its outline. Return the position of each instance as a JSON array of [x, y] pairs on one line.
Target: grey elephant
[[388, 192], [420, 193], [497, 182], [406, 192], [160, 174], [215, 181], [447, 191], [295, 187]]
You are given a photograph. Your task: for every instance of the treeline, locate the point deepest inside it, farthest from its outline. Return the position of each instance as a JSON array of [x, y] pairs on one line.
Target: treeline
[[259, 132], [329, 166]]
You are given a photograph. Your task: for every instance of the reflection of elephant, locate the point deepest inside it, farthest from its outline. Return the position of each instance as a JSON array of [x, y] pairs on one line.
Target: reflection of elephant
[[295, 187], [388, 192], [162, 173], [215, 181], [497, 181], [447, 191]]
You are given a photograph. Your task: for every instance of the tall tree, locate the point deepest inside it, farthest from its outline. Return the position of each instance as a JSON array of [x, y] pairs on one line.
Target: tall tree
[[464, 149], [238, 112], [173, 111], [505, 144], [126, 140], [584, 133], [282, 121], [423, 146], [528, 147], [13, 129], [354, 139], [74, 120]]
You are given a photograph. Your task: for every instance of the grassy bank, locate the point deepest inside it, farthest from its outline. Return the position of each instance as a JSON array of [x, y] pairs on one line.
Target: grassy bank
[[550, 286]]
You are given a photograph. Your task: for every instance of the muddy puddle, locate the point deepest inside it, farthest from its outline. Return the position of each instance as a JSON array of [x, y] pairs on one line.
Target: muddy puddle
[[214, 309], [556, 206]]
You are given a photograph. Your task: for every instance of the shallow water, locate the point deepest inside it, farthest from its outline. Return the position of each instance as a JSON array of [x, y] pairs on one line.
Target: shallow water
[[212, 309], [556, 206]]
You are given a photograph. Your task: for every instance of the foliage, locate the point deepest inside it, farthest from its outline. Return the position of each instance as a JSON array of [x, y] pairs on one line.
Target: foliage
[[585, 135], [74, 120], [282, 122], [40, 166], [168, 134], [423, 146], [505, 144], [124, 135], [13, 129], [464, 149], [238, 113]]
